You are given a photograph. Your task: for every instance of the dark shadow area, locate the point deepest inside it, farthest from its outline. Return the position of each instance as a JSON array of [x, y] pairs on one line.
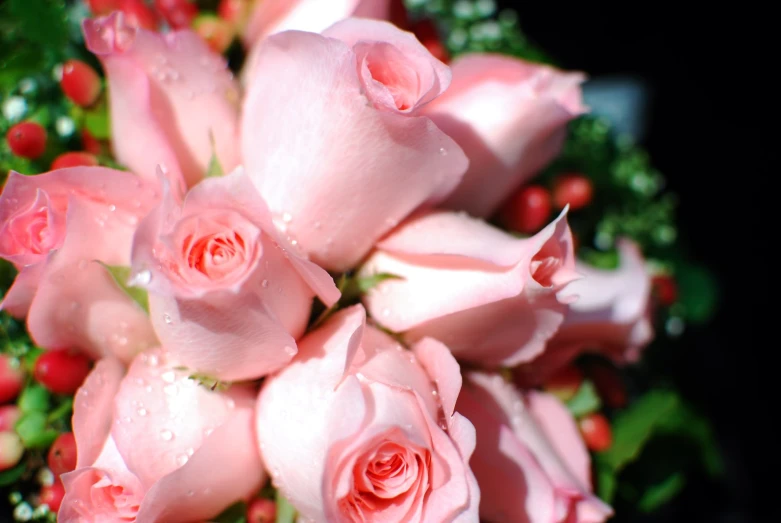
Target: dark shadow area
[[691, 143]]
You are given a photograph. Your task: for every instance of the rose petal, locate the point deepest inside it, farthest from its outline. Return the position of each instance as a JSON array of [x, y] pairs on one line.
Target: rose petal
[[443, 370], [199, 489], [78, 303], [510, 118], [20, 295], [180, 95], [93, 408], [395, 162]]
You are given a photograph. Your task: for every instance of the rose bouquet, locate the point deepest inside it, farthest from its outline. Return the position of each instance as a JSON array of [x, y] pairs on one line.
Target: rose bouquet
[[322, 261]]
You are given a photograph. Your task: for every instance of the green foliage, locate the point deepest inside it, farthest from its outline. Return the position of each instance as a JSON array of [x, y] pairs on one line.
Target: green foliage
[[652, 446], [286, 513], [585, 401], [236, 513], [121, 276]]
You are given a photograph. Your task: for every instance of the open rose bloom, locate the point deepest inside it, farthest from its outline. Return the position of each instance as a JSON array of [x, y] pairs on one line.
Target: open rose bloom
[[347, 148]]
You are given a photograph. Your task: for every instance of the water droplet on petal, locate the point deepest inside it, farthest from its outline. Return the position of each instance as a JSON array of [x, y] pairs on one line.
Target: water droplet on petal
[[190, 493], [290, 351], [141, 411], [442, 151], [142, 278], [182, 459], [166, 434], [171, 390], [386, 312], [168, 376], [264, 284], [287, 217], [167, 318]]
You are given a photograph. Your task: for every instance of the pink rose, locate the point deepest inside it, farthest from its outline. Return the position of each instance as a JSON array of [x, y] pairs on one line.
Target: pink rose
[[510, 118], [225, 297], [155, 446], [357, 428], [272, 16], [530, 461], [492, 298], [612, 316], [333, 138], [59, 228], [170, 95]]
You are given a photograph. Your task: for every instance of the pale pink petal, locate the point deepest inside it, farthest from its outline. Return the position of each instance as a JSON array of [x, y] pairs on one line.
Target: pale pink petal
[[19, 296], [364, 170], [78, 303], [208, 336], [300, 396], [612, 310], [225, 469], [162, 417], [513, 486], [491, 298], [93, 408], [177, 93], [443, 370], [510, 118], [431, 76], [463, 434], [271, 16]]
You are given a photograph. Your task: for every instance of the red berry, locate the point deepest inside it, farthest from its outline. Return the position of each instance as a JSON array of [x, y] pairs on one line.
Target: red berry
[[103, 7], [234, 12], [27, 139], [9, 415], [565, 383], [573, 189], [80, 83], [178, 13], [62, 454], [74, 159], [138, 14], [528, 209], [609, 384], [11, 379], [217, 32], [261, 510], [11, 449], [665, 289], [91, 144], [61, 371], [595, 429], [427, 33], [52, 495]]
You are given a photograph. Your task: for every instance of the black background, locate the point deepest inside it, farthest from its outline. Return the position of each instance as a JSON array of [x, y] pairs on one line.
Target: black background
[[701, 86]]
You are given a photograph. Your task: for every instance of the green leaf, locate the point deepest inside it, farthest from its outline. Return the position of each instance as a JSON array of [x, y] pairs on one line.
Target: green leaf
[[34, 398], [210, 382], [684, 421], [98, 122], [607, 481], [34, 432], [42, 21], [12, 475], [633, 427], [367, 283], [121, 276], [585, 401], [214, 168], [661, 493], [286, 513], [236, 513], [698, 292], [63, 410]]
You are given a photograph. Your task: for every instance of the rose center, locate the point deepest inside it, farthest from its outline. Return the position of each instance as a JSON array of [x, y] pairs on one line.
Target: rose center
[[392, 72]]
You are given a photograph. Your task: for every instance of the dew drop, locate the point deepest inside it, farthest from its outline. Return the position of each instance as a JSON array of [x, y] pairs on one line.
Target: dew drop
[[167, 319], [168, 376], [152, 360], [434, 393], [290, 351], [287, 217], [112, 207], [190, 493], [385, 312], [166, 435], [442, 151], [182, 459], [142, 278], [264, 284], [141, 411], [171, 390], [230, 403]]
